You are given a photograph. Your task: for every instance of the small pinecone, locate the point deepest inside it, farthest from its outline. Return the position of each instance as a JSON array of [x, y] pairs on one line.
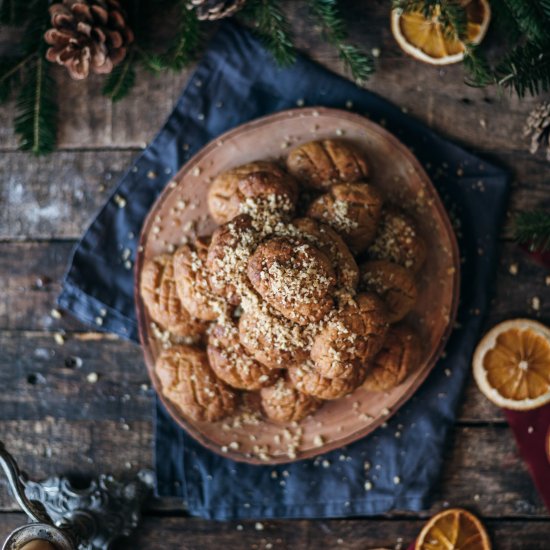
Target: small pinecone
[[88, 36], [215, 9], [537, 127]]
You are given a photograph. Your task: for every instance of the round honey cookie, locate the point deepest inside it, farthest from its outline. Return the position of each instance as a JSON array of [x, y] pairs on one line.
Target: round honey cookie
[[329, 242], [355, 333], [307, 379], [272, 339], [254, 188], [227, 259], [398, 241], [233, 364], [193, 282], [353, 210], [188, 381], [294, 277], [393, 283], [159, 294], [321, 164], [283, 403], [400, 355]]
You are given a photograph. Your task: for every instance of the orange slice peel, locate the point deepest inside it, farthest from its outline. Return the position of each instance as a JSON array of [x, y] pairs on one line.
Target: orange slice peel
[[455, 529], [426, 39], [511, 364]]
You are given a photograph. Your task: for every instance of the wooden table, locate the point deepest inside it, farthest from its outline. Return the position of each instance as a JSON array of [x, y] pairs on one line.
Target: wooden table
[[55, 420]]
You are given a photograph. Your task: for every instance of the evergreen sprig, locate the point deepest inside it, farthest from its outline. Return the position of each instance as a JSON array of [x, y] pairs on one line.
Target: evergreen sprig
[[37, 109], [185, 42], [122, 79], [525, 69], [359, 63], [533, 229], [271, 24]]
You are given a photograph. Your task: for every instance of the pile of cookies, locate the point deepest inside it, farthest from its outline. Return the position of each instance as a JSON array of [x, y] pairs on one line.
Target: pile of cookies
[[298, 296]]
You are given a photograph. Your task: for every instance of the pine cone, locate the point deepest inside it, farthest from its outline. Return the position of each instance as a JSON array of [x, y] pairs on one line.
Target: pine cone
[[537, 127], [88, 36], [215, 9]]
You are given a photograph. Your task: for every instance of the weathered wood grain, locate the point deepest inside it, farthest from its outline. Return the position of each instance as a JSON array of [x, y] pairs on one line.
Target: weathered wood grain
[[31, 272], [482, 468], [42, 378], [56, 197], [171, 533], [437, 96], [360, 534]]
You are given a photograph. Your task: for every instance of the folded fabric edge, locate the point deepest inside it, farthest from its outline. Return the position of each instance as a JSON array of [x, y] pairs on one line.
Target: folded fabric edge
[[370, 507], [76, 301]]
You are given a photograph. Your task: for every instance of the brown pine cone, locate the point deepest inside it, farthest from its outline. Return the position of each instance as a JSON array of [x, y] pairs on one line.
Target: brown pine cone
[[215, 9], [88, 36]]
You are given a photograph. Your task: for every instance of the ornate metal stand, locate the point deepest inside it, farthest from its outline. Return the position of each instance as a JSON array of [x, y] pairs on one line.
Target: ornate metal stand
[[70, 518]]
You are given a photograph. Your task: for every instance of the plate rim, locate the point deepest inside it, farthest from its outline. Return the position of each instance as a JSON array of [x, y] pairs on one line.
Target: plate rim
[[140, 309]]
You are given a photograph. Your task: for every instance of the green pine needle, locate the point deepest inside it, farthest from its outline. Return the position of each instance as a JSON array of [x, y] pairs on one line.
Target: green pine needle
[[121, 80], [530, 18], [359, 64], [526, 69], [272, 26], [478, 71], [35, 122], [545, 6], [186, 42], [533, 228]]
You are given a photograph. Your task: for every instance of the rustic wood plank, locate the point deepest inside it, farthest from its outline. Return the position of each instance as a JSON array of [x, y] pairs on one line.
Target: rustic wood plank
[[41, 378], [435, 95], [356, 534], [360, 534], [31, 275], [55, 197], [482, 468]]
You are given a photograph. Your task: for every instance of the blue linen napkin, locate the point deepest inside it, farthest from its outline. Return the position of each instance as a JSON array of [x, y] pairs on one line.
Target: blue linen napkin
[[395, 467]]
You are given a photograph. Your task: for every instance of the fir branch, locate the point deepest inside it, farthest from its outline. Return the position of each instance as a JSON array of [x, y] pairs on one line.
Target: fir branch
[[36, 119], [530, 18], [478, 72], [525, 69], [272, 26], [185, 43], [360, 64], [545, 6], [10, 75], [122, 79], [533, 228]]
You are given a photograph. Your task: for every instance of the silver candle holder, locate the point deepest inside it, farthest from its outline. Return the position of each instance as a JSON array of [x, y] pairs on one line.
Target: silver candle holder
[[69, 518]]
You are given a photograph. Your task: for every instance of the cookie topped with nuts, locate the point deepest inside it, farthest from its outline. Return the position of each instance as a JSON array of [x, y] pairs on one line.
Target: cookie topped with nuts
[[280, 313], [188, 381], [321, 164], [252, 188]]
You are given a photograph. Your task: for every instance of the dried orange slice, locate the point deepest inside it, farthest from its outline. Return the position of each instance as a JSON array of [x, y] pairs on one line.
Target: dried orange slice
[[425, 38], [512, 364], [453, 529]]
